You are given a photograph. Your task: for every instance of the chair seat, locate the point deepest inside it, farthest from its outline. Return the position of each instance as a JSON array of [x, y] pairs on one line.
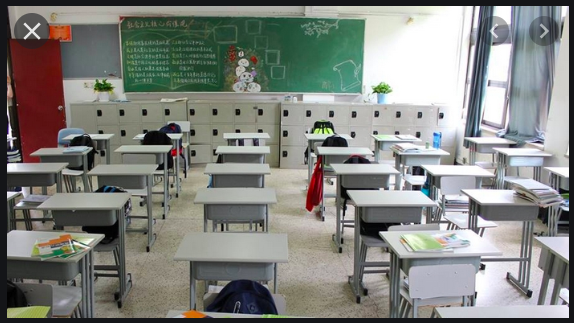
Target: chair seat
[[65, 300], [140, 192], [415, 180], [435, 301], [461, 221], [371, 241], [71, 172], [486, 165]]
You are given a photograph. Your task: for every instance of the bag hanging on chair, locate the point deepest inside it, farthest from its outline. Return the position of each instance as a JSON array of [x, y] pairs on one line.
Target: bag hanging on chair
[[315, 190]]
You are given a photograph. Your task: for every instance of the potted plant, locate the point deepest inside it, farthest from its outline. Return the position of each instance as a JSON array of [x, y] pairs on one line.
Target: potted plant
[[382, 89], [103, 88]]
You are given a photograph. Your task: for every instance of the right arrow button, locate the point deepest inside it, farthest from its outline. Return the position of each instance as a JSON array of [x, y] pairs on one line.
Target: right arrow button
[[543, 31]]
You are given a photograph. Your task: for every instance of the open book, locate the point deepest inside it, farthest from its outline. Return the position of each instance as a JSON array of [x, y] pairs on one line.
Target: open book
[[64, 246], [424, 242], [408, 147]]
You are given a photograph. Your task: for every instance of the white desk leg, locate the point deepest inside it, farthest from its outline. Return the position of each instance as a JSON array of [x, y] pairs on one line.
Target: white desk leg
[[151, 236], [500, 171], [108, 152], [394, 286], [91, 282], [125, 278], [84, 281], [309, 161], [377, 151], [191, 287], [59, 180], [165, 185], [546, 278], [398, 177], [87, 187], [338, 238], [433, 196], [355, 280], [563, 271], [323, 192], [275, 279]]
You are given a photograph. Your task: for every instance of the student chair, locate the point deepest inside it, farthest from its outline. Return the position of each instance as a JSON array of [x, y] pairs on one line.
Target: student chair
[[186, 131], [437, 285], [70, 176], [63, 300]]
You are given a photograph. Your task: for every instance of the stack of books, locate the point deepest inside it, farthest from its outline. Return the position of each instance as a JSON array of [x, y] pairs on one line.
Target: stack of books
[[425, 242], [536, 192], [408, 147], [64, 246]]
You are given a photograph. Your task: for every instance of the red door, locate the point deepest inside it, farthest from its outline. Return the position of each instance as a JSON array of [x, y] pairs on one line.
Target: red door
[[39, 89]]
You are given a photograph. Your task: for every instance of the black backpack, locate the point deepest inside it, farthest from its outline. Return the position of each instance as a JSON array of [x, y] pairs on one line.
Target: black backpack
[[16, 297], [335, 141], [155, 137], [84, 140], [244, 297], [113, 231]]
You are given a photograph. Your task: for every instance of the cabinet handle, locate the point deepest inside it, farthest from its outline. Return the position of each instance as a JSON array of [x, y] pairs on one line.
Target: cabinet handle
[[99, 113], [237, 112], [167, 111], [375, 132], [215, 132], [192, 132], [237, 130], [191, 112], [285, 113], [122, 113], [285, 133], [214, 154], [308, 114], [259, 130], [214, 112], [101, 132], [377, 114], [331, 114], [354, 114], [144, 112], [102, 153], [285, 154], [145, 131], [193, 153], [418, 134], [419, 115], [259, 111], [397, 133], [353, 134], [123, 133], [441, 115], [398, 114]]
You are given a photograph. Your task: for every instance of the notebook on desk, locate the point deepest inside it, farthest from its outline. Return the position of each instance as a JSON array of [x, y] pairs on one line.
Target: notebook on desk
[[75, 149]]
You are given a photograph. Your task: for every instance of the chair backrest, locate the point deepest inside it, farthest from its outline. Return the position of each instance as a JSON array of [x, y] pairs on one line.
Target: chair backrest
[[442, 281], [451, 185], [63, 133], [184, 125], [38, 295], [415, 227]]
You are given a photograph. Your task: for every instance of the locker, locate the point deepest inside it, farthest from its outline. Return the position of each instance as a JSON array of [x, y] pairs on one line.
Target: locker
[[200, 154], [110, 129], [404, 130], [83, 116], [129, 113], [174, 111], [382, 115], [360, 115], [383, 130], [403, 116], [267, 113], [448, 136], [127, 133], [217, 132], [116, 158], [292, 157], [342, 130], [199, 113], [273, 158], [293, 135], [245, 113], [424, 134], [151, 126], [200, 134], [272, 130], [243, 128], [292, 115], [151, 113], [361, 136], [448, 160], [106, 114], [221, 113], [338, 114], [444, 117], [426, 116], [314, 113], [212, 153]]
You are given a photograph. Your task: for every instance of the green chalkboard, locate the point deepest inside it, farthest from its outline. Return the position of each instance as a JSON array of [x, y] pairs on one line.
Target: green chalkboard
[[242, 54]]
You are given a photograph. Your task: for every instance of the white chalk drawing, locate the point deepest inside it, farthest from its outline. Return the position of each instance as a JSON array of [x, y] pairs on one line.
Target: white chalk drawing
[[253, 27], [239, 87], [241, 53], [261, 42], [320, 27], [278, 72], [246, 77], [225, 34], [243, 62], [349, 74], [253, 87], [272, 57], [239, 70]]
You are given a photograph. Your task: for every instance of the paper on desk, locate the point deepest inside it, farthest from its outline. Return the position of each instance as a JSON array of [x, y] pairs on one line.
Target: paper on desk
[[36, 198]]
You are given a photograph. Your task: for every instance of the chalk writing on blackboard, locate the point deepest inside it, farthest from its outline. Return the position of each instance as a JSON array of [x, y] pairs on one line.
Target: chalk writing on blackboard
[[349, 74], [320, 27]]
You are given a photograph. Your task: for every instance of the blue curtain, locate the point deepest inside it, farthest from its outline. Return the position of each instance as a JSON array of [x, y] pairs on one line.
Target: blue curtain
[[479, 77], [532, 75]]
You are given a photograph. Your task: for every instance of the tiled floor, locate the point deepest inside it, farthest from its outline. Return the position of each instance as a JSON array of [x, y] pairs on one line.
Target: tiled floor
[[314, 282]]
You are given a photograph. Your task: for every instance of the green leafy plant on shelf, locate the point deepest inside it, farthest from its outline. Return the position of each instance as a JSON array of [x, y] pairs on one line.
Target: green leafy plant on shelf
[[382, 88], [103, 86]]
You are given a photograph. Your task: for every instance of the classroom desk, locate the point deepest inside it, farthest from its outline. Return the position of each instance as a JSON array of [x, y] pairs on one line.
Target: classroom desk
[[403, 159], [94, 209], [238, 175], [243, 154], [383, 207], [518, 157], [436, 172], [354, 176], [103, 138], [232, 256], [485, 145], [559, 177], [177, 143], [231, 137], [11, 196], [337, 155], [384, 143], [504, 205], [35, 174], [21, 265], [240, 205], [57, 155], [402, 259], [313, 138], [519, 312], [131, 177], [162, 154], [556, 265]]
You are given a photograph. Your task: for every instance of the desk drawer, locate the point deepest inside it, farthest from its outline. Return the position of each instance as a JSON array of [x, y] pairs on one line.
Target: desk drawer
[[235, 212], [127, 182], [508, 213], [406, 264], [525, 161], [391, 214], [42, 270], [232, 271], [412, 160], [13, 180], [365, 181], [244, 158], [255, 181], [81, 218], [487, 149]]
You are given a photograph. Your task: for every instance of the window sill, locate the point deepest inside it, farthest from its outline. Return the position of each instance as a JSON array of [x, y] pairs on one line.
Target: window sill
[[493, 132]]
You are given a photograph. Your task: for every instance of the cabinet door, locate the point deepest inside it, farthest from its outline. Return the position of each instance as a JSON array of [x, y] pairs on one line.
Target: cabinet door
[[129, 113], [360, 115], [293, 135], [174, 111], [116, 158], [314, 113], [383, 115], [338, 114], [111, 129], [404, 130], [292, 157], [448, 136], [403, 116], [245, 128], [268, 113], [83, 116], [200, 134], [361, 136], [245, 113], [217, 131], [424, 134], [273, 132], [426, 116], [149, 126], [221, 113], [273, 158], [200, 154], [151, 112], [213, 150], [444, 117], [292, 114], [383, 130], [199, 113], [128, 132], [106, 114]]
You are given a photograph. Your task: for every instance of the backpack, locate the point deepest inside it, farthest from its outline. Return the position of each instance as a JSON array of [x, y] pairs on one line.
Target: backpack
[[172, 128], [155, 137], [16, 297], [323, 127], [84, 140], [335, 141], [354, 159], [244, 297], [113, 231]]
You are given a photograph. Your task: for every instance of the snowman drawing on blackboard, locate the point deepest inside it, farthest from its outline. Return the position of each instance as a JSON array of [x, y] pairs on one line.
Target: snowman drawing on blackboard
[[245, 81]]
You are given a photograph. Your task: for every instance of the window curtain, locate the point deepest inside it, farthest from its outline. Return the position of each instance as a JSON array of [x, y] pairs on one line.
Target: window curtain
[[479, 77], [531, 76]]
